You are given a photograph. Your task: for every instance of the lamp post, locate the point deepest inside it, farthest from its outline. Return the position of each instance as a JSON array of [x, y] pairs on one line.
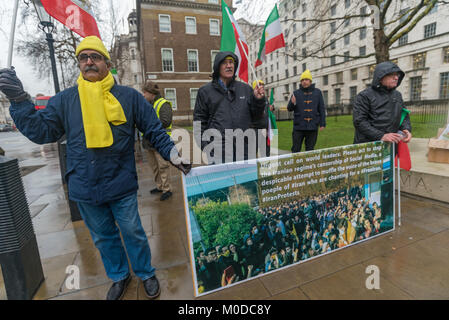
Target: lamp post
[[47, 26]]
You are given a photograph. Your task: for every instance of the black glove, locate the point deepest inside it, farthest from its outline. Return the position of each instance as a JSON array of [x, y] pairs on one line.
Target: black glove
[[11, 86], [183, 167]]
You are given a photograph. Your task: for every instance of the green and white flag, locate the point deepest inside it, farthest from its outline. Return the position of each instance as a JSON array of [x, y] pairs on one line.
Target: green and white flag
[[272, 37]]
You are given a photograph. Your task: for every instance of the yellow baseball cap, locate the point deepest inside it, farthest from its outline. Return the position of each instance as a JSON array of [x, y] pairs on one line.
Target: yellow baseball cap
[[93, 43]]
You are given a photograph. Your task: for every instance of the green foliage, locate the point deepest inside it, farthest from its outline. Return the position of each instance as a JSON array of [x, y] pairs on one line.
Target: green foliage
[[221, 223]]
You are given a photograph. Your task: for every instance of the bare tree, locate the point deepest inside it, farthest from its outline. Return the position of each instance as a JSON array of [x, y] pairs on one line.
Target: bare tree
[[389, 22]]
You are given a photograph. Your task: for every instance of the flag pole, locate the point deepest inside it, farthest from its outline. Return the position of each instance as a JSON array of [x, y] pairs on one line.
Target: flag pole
[[12, 34]]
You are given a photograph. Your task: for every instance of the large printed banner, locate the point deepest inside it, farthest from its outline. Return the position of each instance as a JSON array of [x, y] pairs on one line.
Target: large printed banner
[[246, 219]]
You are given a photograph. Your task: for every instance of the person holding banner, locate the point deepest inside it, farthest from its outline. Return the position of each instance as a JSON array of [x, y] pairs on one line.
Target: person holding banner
[[308, 105], [378, 110], [226, 105], [98, 118]]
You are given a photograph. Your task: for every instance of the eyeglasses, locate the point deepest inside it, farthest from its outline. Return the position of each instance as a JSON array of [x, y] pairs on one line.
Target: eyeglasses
[[93, 56]]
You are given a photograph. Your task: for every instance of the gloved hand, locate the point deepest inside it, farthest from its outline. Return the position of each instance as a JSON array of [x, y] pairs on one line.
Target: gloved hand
[[11, 86], [183, 165]]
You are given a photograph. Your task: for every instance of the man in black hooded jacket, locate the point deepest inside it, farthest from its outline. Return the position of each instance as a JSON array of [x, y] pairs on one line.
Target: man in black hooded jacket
[[378, 109], [227, 105]]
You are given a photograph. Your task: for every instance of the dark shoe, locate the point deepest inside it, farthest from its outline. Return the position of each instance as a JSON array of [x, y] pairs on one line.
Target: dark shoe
[[152, 288], [166, 195], [155, 190], [118, 289]]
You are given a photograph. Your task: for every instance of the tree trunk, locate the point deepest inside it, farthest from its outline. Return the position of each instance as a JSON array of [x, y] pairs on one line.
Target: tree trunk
[[381, 46]]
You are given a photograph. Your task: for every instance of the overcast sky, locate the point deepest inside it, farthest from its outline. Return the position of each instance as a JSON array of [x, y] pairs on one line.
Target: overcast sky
[[33, 84]]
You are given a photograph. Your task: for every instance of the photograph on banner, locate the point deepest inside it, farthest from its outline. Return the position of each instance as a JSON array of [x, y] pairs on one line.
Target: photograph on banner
[[246, 219]]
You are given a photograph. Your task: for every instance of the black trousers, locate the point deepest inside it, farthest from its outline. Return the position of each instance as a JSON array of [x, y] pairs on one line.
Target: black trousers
[[298, 136]]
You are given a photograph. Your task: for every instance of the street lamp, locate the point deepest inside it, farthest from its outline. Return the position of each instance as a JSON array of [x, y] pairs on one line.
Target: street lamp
[[47, 26]]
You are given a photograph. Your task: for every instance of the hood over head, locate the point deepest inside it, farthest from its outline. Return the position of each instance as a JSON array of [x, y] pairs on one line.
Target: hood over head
[[384, 69], [219, 58]]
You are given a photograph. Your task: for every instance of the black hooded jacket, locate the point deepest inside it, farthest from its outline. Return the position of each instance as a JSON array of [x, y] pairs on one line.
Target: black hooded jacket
[[377, 110], [219, 109]]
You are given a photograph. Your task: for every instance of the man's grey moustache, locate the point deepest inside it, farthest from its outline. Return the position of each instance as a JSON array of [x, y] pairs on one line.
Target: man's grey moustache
[[89, 68]]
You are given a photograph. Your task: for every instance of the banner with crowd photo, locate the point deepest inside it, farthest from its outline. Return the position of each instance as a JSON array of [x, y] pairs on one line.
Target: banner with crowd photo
[[246, 219]]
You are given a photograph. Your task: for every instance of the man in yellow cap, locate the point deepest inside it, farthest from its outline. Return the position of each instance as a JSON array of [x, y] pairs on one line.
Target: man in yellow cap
[[309, 113], [98, 118]]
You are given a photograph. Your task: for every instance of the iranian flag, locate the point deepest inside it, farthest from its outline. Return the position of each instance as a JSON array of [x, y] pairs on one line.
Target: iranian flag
[[272, 37], [233, 39], [74, 14]]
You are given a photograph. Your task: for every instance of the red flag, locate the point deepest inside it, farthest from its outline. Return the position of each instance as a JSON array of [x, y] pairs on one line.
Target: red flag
[[405, 162], [74, 14]]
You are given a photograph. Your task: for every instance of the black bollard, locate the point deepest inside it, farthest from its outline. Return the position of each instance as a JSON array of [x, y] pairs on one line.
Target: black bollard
[[19, 254]]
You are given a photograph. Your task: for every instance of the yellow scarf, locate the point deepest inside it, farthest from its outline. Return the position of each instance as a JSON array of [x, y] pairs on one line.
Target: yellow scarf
[[99, 107]]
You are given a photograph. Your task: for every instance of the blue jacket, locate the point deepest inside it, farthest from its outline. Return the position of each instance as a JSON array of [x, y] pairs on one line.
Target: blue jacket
[[309, 111], [94, 176]]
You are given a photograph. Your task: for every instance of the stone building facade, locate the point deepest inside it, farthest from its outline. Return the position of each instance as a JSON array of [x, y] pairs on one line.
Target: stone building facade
[[423, 54]]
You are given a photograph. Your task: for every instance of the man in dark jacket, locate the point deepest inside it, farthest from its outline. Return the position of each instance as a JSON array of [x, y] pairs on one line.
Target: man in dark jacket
[[101, 170], [378, 109], [308, 106], [226, 105], [260, 124]]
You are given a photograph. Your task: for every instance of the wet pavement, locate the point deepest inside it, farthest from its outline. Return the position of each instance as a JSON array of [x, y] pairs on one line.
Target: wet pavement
[[413, 260]]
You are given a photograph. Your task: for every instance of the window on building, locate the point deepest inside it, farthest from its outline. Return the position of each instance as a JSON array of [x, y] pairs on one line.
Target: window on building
[[362, 51], [415, 88], [304, 52], [363, 10], [213, 54], [352, 93], [325, 80], [271, 68], [164, 23], [347, 39], [193, 94], [419, 60], [333, 60], [403, 14], [446, 55], [214, 27], [333, 44], [347, 21], [272, 79], [304, 67], [403, 40], [294, 28], [286, 73], [333, 27], [286, 88], [326, 97], [295, 70], [334, 10], [136, 79], [339, 77], [354, 74], [304, 23], [294, 13], [190, 25], [444, 85], [304, 38], [337, 93], [170, 95], [430, 30], [167, 60], [346, 55], [363, 33], [192, 60], [347, 4], [304, 8], [295, 56], [286, 59]]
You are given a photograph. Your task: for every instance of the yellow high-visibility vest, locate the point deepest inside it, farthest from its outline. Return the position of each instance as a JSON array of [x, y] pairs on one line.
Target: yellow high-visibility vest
[[157, 107]]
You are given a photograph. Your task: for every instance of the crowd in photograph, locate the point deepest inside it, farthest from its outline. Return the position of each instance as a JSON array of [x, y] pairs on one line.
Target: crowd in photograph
[[289, 233]]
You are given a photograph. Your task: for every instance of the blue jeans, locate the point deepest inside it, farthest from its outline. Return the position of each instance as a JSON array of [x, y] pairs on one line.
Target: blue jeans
[[101, 222]]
